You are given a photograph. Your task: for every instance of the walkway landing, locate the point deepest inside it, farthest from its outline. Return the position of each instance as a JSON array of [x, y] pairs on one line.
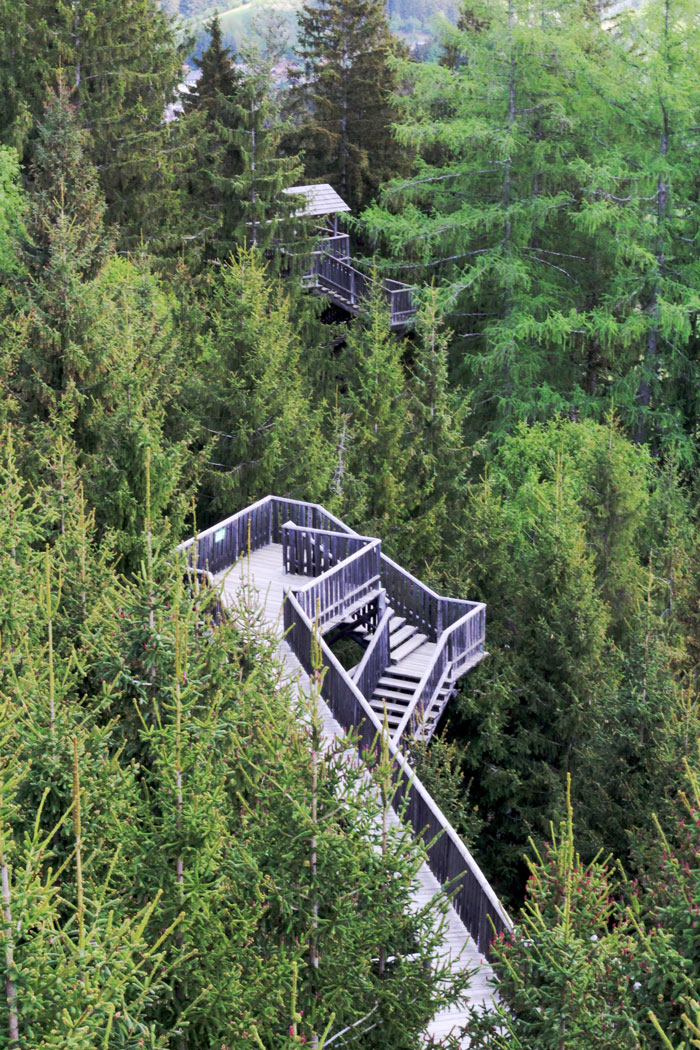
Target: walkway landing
[[263, 572]]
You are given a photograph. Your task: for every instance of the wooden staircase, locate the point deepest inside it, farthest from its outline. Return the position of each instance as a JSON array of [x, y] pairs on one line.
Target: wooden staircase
[[410, 653]]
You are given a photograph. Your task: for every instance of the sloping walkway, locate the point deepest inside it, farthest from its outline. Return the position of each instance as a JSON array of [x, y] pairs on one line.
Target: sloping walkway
[[263, 572]]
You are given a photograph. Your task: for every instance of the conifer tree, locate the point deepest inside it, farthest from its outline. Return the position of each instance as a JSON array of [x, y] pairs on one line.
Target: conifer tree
[[371, 488], [252, 401], [235, 122], [130, 420], [482, 210], [66, 246], [212, 118], [121, 62], [565, 979], [640, 192], [580, 677], [267, 216], [439, 468], [12, 212], [341, 96]]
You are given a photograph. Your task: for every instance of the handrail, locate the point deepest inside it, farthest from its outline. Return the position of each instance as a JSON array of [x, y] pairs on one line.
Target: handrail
[[448, 858], [440, 662], [334, 597], [315, 580], [376, 657], [302, 556], [222, 524]]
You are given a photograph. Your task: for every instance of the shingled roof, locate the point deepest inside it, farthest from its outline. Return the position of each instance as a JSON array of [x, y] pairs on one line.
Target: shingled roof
[[320, 200]]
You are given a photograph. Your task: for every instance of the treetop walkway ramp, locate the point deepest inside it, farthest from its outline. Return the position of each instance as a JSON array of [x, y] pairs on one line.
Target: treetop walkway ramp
[[316, 580]]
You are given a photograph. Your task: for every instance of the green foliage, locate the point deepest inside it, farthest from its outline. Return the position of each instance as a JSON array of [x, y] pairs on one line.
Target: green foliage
[[554, 197], [236, 188], [341, 96], [370, 480], [66, 246], [121, 63], [12, 211], [579, 678], [183, 863], [251, 396], [565, 971]]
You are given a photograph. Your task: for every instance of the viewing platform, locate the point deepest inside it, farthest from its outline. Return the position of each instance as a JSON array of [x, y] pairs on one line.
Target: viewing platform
[[332, 274], [318, 582]]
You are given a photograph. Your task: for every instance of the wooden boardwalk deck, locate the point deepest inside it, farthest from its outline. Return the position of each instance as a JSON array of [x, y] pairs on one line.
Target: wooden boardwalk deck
[[263, 573]]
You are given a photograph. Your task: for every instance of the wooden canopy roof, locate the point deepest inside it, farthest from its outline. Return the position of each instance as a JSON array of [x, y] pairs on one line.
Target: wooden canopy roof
[[320, 199]]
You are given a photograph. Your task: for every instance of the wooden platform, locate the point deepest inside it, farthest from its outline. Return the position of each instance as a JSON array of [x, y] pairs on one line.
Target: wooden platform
[[262, 574]]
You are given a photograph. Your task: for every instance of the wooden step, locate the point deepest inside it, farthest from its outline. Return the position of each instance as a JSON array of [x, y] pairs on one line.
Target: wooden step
[[393, 717], [395, 623], [378, 703], [408, 647], [390, 680], [392, 694], [402, 635]]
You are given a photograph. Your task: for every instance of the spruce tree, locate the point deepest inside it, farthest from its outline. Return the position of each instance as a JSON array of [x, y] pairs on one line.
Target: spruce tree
[[234, 120], [65, 248], [371, 481], [121, 62], [436, 433], [12, 212], [253, 405], [482, 210], [565, 979], [212, 119], [341, 96], [639, 205]]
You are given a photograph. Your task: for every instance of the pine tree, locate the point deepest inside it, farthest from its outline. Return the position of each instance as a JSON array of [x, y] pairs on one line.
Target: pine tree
[[66, 246], [640, 192], [439, 467], [267, 216], [341, 96], [560, 542], [129, 427], [212, 119], [236, 193], [12, 212], [483, 209]]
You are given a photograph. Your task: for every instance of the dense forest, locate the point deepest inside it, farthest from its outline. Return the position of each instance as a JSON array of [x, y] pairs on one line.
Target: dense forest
[[531, 440]]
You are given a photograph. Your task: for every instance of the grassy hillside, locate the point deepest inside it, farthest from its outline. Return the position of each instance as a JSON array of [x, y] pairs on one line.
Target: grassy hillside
[[236, 18], [412, 19]]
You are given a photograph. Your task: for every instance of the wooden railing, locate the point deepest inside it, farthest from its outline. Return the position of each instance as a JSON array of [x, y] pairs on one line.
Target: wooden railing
[[376, 657], [311, 552], [457, 645], [447, 856], [344, 589], [354, 288], [223, 544], [420, 604], [335, 244], [263, 522]]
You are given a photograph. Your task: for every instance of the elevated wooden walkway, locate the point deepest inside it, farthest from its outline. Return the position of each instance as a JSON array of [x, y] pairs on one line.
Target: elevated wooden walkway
[[333, 275], [316, 579], [331, 272]]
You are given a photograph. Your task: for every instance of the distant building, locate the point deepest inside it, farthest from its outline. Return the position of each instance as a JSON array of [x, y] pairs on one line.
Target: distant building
[[190, 78]]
